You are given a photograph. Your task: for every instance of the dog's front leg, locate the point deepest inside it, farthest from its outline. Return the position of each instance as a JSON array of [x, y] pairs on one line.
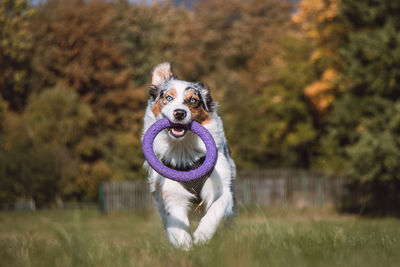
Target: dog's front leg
[[173, 208], [177, 228], [218, 197]]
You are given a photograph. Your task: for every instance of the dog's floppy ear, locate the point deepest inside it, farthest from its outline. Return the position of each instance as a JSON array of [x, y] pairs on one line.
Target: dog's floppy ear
[[206, 98], [162, 72], [153, 91]]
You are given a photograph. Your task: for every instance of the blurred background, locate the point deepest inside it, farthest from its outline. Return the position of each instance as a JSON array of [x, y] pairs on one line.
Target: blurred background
[[305, 87], [309, 92]]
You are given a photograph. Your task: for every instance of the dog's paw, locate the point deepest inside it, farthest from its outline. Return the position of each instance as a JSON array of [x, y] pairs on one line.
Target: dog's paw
[[201, 237], [180, 239]]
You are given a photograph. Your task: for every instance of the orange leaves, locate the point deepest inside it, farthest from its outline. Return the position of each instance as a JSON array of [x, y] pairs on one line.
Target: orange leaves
[[318, 20], [315, 15], [320, 92], [78, 48]]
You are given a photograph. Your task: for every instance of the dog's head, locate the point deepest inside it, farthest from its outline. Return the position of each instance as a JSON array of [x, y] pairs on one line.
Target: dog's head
[[179, 101]]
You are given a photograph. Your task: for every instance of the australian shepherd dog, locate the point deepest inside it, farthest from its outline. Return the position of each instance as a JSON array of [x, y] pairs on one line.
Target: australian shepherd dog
[[183, 102]]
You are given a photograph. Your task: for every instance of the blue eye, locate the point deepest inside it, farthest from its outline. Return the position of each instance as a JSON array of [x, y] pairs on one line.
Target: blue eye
[[192, 100], [169, 98]]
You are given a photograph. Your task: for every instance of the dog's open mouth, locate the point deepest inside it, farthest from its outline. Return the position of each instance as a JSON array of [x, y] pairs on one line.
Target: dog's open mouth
[[177, 132]]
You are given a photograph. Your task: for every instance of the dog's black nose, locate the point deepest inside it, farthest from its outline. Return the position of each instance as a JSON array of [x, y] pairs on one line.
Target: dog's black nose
[[179, 114]]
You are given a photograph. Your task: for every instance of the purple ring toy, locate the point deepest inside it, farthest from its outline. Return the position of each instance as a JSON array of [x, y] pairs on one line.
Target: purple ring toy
[[180, 176]]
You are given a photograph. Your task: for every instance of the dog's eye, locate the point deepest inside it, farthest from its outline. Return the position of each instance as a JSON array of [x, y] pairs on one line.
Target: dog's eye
[[169, 98], [193, 100]]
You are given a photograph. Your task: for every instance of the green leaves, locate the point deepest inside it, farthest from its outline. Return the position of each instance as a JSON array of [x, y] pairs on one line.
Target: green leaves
[[37, 160], [365, 121], [57, 115], [285, 122]]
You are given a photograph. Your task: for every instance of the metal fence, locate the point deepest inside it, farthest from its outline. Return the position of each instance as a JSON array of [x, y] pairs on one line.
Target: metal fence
[[297, 188]]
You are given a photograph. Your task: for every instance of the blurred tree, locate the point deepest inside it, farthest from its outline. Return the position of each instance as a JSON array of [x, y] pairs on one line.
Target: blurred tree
[[81, 51], [16, 45], [146, 32], [266, 113], [364, 125], [56, 115], [229, 43], [86, 54], [204, 39], [274, 85], [228, 49], [285, 123], [125, 157], [3, 110], [319, 20], [256, 38], [37, 157], [28, 172], [275, 126]]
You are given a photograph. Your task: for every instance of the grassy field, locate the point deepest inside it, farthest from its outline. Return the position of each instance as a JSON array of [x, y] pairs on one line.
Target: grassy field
[[257, 238]]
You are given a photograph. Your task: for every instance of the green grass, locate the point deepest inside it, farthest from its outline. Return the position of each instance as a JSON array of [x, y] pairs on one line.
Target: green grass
[[257, 238]]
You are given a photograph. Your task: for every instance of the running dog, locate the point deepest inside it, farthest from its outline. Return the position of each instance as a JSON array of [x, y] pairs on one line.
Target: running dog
[[183, 102]]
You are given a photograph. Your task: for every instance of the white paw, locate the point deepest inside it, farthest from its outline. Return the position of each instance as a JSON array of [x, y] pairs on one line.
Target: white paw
[[201, 237], [180, 239]]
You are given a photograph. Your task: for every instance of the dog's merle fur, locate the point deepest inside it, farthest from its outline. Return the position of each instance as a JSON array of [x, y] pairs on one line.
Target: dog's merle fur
[[183, 150]]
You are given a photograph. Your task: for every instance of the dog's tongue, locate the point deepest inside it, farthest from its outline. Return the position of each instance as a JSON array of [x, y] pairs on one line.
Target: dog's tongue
[[178, 131]]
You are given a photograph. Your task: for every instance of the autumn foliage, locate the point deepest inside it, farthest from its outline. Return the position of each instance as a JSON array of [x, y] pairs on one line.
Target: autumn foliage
[[311, 84]]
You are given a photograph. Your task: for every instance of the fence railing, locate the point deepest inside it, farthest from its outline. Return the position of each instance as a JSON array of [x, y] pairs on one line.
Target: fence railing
[[124, 195], [297, 188], [278, 187]]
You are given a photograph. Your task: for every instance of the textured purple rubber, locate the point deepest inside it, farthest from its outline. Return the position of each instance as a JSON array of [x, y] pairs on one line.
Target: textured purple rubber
[[155, 163]]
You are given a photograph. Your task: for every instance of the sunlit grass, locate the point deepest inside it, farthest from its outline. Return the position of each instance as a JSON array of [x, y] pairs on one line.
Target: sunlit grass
[[257, 238]]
